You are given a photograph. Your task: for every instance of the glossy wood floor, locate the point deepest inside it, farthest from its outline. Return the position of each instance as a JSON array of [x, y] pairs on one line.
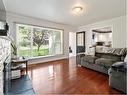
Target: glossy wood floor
[[64, 77]]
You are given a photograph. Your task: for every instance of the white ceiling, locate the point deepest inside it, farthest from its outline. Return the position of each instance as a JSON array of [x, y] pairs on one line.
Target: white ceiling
[[60, 10]]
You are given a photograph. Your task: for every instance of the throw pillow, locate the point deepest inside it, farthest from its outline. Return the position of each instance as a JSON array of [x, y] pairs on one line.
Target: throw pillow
[[125, 60], [92, 51], [99, 49]]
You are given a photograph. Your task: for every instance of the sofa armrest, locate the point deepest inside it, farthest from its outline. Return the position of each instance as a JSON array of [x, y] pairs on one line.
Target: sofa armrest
[[117, 76], [120, 66]]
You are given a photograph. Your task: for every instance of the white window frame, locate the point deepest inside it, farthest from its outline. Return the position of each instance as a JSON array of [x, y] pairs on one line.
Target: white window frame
[[31, 57]]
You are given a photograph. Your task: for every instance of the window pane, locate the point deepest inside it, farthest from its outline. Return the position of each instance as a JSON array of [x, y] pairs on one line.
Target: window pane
[[24, 33], [58, 44], [40, 42]]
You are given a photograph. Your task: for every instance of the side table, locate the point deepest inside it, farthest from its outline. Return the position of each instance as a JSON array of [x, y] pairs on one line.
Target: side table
[[21, 61]]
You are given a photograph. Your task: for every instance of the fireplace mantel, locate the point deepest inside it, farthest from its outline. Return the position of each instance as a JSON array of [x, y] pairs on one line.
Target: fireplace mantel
[[5, 50]]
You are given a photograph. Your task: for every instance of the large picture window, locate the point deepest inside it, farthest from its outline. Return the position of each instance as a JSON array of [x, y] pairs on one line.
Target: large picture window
[[33, 41]]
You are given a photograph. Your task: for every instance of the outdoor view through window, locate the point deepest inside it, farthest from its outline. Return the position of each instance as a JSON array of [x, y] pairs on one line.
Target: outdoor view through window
[[33, 41]]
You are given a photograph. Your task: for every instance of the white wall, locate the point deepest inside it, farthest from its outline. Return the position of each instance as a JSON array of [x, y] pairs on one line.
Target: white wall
[[12, 18], [118, 27], [126, 31], [72, 43], [126, 23]]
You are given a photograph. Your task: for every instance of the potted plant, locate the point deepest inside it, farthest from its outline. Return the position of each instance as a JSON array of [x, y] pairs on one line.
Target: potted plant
[[13, 50]]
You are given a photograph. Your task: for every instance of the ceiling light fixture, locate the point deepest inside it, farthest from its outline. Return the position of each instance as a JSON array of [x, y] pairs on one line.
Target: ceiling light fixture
[[77, 10]]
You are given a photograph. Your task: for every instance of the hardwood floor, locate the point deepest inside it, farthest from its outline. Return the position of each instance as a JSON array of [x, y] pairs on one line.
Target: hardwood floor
[[64, 77]]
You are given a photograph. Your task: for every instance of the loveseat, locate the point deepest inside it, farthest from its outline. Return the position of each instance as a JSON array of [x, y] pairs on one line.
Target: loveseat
[[103, 61]]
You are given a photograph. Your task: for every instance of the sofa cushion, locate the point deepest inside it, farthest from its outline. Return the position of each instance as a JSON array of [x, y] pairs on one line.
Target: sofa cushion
[[109, 56], [105, 62], [89, 59], [113, 57]]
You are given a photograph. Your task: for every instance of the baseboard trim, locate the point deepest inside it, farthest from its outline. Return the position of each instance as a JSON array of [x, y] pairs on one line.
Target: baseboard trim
[[34, 64]]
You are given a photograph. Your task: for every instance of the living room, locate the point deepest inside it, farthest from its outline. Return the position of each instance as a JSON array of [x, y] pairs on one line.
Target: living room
[[61, 47]]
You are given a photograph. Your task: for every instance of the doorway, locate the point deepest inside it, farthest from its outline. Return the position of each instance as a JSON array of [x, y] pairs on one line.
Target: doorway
[[80, 42]]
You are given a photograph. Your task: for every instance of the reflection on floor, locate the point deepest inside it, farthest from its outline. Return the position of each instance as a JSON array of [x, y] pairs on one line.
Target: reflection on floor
[[63, 77]]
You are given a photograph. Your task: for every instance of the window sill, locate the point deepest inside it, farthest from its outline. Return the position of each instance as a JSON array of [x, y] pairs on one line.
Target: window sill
[[32, 58]]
